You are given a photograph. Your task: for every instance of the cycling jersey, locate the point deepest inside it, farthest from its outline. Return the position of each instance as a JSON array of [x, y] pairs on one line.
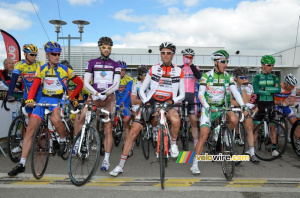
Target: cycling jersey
[[103, 73], [189, 78], [284, 94], [265, 86], [164, 89], [123, 94], [217, 88], [27, 73], [51, 85]]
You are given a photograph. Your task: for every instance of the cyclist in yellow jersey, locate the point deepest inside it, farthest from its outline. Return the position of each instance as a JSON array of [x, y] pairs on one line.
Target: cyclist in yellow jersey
[[53, 78]]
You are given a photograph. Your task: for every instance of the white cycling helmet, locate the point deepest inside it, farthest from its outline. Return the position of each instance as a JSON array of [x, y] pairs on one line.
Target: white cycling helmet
[[290, 79], [188, 51]]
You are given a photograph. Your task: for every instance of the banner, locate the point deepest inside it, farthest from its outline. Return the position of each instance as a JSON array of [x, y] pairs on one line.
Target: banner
[[12, 46]]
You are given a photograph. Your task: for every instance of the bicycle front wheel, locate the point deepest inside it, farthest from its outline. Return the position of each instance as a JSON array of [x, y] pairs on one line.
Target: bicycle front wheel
[[145, 141], [295, 132], [118, 132], [263, 144], [239, 143], [15, 137], [40, 150], [83, 162], [69, 134], [227, 149], [161, 157]]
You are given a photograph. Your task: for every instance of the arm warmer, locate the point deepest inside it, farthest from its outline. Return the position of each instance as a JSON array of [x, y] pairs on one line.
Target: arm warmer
[[195, 71], [143, 88], [181, 95], [201, 97], [115, 86], [87, 85], [236, 94], [34, 88], [13, 83], [78, 88]]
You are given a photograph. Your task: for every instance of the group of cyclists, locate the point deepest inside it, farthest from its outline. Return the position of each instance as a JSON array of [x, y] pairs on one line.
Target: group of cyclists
[[109, 87]]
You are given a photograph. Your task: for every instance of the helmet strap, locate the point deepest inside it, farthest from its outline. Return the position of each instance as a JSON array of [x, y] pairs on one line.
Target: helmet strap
[[105, 58], [28, 59]]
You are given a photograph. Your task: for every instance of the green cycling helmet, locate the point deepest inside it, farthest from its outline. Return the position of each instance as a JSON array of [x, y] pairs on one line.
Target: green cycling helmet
[[219, 54], [267, 59]]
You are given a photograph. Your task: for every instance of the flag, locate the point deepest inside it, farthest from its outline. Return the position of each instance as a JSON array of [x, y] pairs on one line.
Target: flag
[[12, 46]]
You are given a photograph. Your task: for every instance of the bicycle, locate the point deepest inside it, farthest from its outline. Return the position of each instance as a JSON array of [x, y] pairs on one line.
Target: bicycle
[[220, 140], [295, 141], [263, 144], [118, 125], [239, 144], [85, 151], [42, 136], [163, 139], [16, 133]]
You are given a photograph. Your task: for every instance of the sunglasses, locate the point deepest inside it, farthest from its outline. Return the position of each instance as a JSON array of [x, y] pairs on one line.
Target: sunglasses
[[55, 54], [166, 53], [269, 65], [104, 47], [33, 54], [223, 61], [123, 69], [243, 77]]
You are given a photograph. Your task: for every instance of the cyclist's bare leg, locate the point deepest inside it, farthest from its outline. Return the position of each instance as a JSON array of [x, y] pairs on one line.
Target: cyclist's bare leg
[[204, 132], [273, 134], [108, 141], [249, 128], [232, 120], [79, 121], [126, 122], [193, 122], [131, 137], [173, 116], [57, 123], [28, 136]]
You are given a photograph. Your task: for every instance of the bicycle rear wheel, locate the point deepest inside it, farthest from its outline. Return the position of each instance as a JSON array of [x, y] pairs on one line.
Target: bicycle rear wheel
[[263, 145], [227, 149], [295, 141], [82, 166], [145, 141], [118, 132], [240, 144], [40, 150], [161, 157], [15, 137], [69, 134]]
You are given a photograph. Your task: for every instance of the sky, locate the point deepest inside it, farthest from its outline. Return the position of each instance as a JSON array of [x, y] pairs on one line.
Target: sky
[[234, 24]]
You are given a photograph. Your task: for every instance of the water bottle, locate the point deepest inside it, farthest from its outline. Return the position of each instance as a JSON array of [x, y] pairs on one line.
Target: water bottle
[[216, 133]]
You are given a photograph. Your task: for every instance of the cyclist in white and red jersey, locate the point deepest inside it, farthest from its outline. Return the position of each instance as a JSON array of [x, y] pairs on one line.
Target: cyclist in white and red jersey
[[165, 81], [106, 80], [191, 75]]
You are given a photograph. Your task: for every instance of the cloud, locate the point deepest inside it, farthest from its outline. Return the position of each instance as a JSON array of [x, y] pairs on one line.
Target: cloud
[[83, 2], [125, 15], [190, 3], [168, 2], [2, 54], [15, 16], [264, 24]]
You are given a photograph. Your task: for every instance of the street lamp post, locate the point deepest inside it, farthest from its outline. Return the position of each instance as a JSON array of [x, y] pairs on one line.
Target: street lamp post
[[59, 23]]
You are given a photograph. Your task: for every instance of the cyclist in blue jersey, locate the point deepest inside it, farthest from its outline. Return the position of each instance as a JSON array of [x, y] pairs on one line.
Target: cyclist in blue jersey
[[123, 96]]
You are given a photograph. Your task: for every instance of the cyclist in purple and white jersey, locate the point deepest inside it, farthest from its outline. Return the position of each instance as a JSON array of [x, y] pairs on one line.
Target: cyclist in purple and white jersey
[[106, 80], [191, 75]]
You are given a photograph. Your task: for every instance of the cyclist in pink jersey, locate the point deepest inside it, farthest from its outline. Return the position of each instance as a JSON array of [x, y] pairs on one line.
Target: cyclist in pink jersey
[[191, 75]]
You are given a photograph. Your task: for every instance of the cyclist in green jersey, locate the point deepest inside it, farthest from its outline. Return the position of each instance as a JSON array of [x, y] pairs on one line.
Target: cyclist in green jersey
[[214, 92], [265, 85]]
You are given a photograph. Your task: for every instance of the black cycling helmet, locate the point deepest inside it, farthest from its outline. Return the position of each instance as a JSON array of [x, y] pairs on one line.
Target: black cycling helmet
[[105, 41], [142, 69], [66, 63], [168, 45], [240, 71]]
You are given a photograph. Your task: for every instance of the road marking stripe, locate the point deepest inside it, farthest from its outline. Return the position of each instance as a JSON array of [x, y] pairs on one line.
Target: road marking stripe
[[109, 182], [247, 183], [179, 182]]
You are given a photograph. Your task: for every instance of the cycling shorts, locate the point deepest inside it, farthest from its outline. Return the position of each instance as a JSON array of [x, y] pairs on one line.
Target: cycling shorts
[[39, 112], [205, 120], [262, 105], [287, 111], [191, 98]]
